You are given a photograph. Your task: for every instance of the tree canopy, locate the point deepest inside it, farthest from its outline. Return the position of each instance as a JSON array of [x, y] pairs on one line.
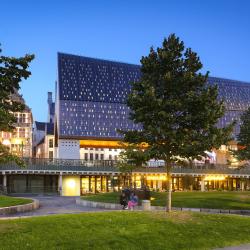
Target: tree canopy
[[243, 138], [177, 109], [12, 71]]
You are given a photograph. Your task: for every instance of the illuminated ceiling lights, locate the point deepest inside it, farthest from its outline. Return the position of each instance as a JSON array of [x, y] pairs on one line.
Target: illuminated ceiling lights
[[105, 144], [215, 178], [156, 177]]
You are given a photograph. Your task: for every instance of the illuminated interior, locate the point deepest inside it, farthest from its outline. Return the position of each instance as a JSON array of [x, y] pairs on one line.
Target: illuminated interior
[[105, 144], [71, 186], [215, 178], [99, 144]]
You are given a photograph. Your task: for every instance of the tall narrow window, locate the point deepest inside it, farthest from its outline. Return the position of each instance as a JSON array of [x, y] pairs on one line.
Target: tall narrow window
[[91, 156], [86, 156], [22, 132], [50, 143], [51, 154]]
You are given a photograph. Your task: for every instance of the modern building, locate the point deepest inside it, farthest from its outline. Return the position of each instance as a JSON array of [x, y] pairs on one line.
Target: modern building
[[20, 140], [90, 107]]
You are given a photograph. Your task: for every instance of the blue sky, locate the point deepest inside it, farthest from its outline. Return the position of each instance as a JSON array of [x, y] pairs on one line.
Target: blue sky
[[218, 30]]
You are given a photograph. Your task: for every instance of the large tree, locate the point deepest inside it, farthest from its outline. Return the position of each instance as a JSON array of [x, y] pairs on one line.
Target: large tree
[[177, 109], [243, 138], [12, 71]]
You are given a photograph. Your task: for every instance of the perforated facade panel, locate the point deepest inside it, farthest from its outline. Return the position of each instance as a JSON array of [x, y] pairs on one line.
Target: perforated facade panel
[[93, 93]]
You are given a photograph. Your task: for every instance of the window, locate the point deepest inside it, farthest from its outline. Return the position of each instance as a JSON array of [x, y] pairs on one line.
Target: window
[[110, 157], [86, 156], [96, 156], [22, 118], [50, 154], [102, 156], [110, 149], [14, 133], [91, 156], [22, 132], [50, 143]]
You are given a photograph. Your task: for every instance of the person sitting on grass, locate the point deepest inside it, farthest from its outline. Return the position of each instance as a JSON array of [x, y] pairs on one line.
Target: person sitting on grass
[[133, 201], [123, 200]]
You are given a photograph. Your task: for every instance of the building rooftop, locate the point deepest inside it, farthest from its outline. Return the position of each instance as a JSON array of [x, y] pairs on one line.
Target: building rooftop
[[49, 128], [40, 125]]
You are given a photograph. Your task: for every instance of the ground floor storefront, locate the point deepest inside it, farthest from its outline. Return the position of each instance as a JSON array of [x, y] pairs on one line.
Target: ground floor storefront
[[75, 185], [95, 184], [32, 184]]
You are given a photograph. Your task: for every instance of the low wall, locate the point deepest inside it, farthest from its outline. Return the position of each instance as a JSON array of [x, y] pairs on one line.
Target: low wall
[[95, 204], [20, 208], [113, 206]]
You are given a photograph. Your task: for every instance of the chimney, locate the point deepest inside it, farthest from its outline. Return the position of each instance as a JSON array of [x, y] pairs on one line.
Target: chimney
[[49, 98]]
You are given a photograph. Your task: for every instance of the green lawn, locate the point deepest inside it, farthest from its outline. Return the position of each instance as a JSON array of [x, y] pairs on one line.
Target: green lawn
[[220, 200], [6, 201], [125, 230]]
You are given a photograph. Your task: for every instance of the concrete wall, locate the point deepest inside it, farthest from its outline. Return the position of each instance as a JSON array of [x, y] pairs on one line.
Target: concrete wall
[[108, 154], [68, 149], [71, 186]]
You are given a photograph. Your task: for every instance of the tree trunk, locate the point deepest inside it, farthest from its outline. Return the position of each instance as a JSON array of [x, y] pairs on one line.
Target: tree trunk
[[169, 189]]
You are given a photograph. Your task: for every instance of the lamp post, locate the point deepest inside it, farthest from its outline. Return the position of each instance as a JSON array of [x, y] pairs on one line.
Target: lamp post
[[22, 148]]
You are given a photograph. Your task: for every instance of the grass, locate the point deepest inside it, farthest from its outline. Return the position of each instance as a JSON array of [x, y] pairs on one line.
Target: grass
[[6, 201], [125, 230], [219, 200]]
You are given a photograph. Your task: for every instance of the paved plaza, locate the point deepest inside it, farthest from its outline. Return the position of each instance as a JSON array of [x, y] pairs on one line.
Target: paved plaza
[[54, 205]]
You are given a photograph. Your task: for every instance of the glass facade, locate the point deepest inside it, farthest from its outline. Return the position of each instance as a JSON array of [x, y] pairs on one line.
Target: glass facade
[[35, 184], [96, 183]]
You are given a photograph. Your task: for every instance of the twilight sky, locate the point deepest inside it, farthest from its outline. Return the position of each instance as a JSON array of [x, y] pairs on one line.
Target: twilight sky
[[218, 30]]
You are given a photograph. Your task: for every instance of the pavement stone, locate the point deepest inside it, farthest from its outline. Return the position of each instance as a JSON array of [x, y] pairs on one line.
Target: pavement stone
[[240, 247], [54, 205]]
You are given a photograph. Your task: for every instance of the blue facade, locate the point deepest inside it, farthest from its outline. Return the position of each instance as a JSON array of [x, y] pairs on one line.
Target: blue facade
[[236, 96], [92, 94]]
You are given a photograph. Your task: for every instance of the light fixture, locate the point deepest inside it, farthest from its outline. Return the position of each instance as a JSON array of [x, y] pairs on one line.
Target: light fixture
[[215, 178], [71, 183], [6, 142]]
